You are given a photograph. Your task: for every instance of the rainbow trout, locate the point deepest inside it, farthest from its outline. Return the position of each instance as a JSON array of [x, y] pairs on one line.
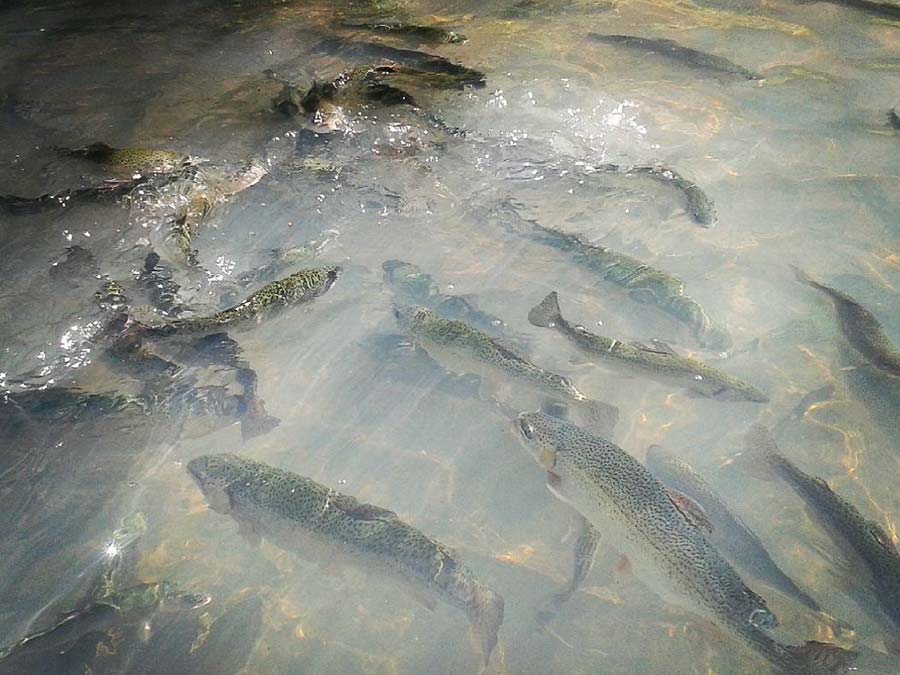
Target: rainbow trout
[[643, 283], [464, 349], [300, 515], [662, 536], [659, 362], [135, 160], [295, 289], [859, 326], [730, 534], [870, 550]]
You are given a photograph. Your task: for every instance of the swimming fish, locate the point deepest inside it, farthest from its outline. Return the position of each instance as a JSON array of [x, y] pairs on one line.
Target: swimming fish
[[135, 160], [427, 34], [297, 288], [643, 283], [671, 50], [414, 286], [874, 560], [298, 514], [860, 327], [464, 349], [698, 205], [662, 534], [730, 534], [658, 362]]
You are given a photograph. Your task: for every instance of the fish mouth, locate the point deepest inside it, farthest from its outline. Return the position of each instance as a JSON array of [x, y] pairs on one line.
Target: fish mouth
[[524, 426], [196, 467]]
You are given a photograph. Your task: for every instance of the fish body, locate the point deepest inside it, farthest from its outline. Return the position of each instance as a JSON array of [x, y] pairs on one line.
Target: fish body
[[643, 283], [135, 160], [862, 330], [730, 534], [416, 287], [297, 288], [462, 348], [667, 549], [876, 563], [298, 514], [427, 34], [671, 50], [659, 363]]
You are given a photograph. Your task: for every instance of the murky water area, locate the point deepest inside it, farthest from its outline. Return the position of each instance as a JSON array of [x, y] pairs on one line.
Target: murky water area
[[793, 146]]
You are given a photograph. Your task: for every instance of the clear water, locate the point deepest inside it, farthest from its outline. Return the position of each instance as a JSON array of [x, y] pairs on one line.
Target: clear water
[[802, 167]]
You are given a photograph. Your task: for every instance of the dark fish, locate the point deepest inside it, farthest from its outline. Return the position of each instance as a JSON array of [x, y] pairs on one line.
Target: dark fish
[[730, 534], [370, 51], [669, 49], [875, 563], [659, 362], [894, 116], [697, 203], [661, 533], [862, 330], [108, 190], [643, 283], [128, 606], [426, 34], [298, 514]]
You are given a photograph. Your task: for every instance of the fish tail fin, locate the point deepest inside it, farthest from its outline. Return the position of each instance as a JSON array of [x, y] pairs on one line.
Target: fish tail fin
[[601, 417], [803, 277], [485, 612], [255, 421], [820, 658], [760, 453], [546, 314]]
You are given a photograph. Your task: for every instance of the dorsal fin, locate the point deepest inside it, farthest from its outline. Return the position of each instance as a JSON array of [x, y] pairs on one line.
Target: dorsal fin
[[361, 511], [691, 510]]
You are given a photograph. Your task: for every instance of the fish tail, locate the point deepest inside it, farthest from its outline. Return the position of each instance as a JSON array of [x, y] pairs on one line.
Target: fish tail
[[255, 421], [803, 277], [485, 612], [819, 658], [546, 314]]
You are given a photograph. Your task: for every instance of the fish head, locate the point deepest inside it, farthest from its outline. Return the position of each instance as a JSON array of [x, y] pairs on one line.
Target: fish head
[[326, 277], [540, 433], [214, 474], [409, 279], [409, 316]]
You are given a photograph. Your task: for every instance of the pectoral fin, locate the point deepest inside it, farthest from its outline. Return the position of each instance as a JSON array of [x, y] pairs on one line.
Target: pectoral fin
[[249, 535], [422, 597], [690, 509]]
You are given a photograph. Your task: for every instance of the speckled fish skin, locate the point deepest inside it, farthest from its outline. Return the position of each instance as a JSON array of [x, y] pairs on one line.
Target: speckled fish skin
[[463, 346], [739, 543], [862, 330], [622, 499], [862, 540], [661, 365], [147, 160], [290, 510], [643, 283], [297, 288]]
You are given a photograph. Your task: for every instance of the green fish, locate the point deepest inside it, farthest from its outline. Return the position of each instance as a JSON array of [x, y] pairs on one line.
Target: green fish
[[464, 349], [298, 514], [860, 327], [659, 362], [295, 289], [661, 532], [869, 550], [643, 283], [139, 160]]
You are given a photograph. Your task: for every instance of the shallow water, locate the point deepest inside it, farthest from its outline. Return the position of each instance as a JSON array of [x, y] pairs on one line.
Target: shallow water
[[802, 167]]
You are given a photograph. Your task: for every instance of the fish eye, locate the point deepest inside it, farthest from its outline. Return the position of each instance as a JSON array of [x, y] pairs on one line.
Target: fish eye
[[527, 429]]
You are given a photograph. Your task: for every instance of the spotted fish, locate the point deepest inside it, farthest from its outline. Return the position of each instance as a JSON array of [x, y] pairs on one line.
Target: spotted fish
[[298, 514], [663, 537], [464, 349], [135, 160], [659, 362], [297, 288]]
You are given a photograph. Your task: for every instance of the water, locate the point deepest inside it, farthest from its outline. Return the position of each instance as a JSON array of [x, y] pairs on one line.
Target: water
[[801, 166]]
